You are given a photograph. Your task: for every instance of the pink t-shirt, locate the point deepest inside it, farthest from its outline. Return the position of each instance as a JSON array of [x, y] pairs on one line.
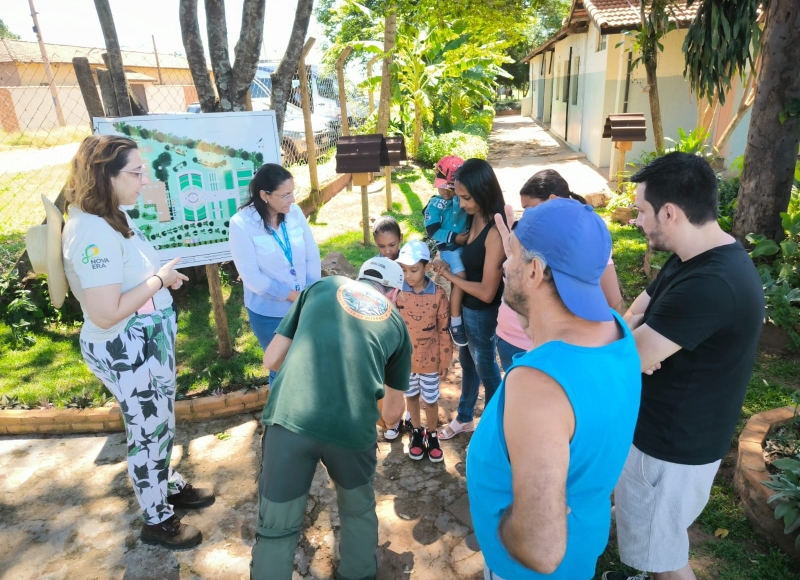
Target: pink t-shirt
[[508, 326]]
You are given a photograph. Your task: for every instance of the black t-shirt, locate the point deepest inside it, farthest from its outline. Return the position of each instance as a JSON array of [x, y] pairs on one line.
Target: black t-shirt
[[473, 257], [713, 307]]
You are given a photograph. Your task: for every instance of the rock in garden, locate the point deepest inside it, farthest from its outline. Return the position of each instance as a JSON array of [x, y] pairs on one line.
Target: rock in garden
[[596, 199], [335, 264], [622, 215]]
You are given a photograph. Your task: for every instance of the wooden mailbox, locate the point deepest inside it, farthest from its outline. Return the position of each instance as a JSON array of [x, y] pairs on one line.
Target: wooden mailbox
[[624, 129], [360, 155], [395, 152]]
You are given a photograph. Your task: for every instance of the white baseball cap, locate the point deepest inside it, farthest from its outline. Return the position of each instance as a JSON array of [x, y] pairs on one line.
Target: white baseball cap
[[412, 252], [383, 271]]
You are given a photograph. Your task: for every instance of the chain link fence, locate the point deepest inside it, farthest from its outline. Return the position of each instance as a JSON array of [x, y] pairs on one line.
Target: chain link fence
[[43, 119]]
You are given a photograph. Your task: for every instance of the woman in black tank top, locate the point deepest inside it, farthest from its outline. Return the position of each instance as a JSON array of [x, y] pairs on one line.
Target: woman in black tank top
[[480, 196]]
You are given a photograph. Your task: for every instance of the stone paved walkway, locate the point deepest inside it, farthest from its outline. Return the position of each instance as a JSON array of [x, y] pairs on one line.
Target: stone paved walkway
[[67, 510]]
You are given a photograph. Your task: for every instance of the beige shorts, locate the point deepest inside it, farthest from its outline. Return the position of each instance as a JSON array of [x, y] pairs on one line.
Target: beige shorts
[[656, 502]]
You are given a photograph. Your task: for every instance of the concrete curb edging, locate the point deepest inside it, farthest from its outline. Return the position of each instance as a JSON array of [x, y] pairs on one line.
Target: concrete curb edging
[[98, 420], [751, 470]]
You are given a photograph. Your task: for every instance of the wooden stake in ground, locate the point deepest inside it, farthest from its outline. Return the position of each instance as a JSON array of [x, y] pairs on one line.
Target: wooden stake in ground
[[365, 212], [88, 87], [311, 149], [342, 92], [388, 173], [115, 66]]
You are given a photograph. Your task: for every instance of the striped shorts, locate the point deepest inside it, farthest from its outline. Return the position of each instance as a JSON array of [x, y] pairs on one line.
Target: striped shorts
[[427, 383]]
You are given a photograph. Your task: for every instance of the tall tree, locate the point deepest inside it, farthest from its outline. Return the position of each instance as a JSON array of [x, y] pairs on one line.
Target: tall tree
[[384, 101], [282, 77], [720, 42], [6, 33], [232, 82]]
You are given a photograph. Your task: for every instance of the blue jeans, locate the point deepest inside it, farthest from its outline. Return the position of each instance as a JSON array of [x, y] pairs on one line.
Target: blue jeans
[[264, 328], [478, 360], [506, 351]]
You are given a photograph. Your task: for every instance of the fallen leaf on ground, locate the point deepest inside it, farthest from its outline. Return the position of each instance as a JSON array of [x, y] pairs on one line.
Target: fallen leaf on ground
[[721, 533]]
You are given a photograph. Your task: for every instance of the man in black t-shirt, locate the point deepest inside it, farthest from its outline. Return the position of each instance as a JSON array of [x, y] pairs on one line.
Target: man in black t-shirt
[[696, 328]]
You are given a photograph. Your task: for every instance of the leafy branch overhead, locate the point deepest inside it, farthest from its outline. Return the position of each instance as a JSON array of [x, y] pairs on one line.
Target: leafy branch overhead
[[722, 41]]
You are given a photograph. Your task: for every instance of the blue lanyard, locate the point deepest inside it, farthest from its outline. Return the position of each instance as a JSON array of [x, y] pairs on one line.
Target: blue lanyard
[[285, 245]]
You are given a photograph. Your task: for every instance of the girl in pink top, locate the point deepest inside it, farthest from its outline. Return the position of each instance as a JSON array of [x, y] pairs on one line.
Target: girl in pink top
[[511, 339]]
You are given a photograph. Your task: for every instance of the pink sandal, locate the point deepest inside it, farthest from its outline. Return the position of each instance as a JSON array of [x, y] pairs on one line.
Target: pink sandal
[[454, 428]]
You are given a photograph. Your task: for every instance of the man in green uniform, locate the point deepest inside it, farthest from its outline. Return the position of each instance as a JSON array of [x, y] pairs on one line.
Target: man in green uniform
[[341, 347]]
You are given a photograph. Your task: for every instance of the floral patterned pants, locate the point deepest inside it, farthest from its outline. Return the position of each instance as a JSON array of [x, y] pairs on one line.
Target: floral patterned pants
[[138, 367]]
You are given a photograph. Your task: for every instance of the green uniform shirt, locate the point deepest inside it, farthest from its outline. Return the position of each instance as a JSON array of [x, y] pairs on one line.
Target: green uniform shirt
[[347, 342]]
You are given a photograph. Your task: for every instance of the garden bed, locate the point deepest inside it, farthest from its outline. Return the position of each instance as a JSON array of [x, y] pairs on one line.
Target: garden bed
[[752, 468]]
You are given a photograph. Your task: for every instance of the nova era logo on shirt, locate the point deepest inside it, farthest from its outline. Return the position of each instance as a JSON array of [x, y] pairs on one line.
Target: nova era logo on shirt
[[90, 255]]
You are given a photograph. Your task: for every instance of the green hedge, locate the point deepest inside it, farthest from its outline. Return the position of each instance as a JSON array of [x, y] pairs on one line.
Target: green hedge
[[466, 146], [479, 123]]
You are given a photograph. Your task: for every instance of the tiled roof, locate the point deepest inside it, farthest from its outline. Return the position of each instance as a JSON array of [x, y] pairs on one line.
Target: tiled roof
[[609, 16], [22, 51], [624, 14]]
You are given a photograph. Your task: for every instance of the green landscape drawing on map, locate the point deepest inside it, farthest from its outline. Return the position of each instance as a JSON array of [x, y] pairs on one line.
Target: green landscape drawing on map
[[194, 187]]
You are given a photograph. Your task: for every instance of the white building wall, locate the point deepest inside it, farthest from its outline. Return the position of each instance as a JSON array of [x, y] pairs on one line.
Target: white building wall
[[599, 95]]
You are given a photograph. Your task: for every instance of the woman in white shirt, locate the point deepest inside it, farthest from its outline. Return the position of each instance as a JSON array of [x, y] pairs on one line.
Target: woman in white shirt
[[273, 249], [128, 334]]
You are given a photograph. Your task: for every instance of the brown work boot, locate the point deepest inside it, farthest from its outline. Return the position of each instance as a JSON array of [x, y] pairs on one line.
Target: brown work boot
[[191, 497], [172, 534]]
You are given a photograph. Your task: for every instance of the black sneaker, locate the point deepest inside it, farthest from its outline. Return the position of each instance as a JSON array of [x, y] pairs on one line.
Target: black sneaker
[[172, 534], [435, 453], [192, 497], [459, 335], [416, 446], [623, 576]]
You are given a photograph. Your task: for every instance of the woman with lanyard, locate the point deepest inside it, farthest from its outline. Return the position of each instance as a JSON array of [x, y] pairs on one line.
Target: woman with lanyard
[[274, 251], [129, 326]]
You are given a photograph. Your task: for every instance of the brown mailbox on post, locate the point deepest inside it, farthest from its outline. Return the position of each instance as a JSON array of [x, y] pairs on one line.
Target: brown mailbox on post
[[624, 128], [395, 152], [360, 155]]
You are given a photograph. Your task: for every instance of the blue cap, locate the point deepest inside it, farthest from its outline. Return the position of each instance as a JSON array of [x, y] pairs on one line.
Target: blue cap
[[576, 244]]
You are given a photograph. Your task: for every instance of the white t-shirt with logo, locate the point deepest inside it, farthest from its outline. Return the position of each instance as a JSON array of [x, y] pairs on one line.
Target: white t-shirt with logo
[[97, 255]]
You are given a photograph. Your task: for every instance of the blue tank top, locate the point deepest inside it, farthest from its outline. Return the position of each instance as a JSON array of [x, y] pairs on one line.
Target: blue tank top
[[604, 387]]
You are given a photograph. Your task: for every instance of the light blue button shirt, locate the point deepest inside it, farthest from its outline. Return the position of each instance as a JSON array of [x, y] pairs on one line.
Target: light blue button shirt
[[262, 265]]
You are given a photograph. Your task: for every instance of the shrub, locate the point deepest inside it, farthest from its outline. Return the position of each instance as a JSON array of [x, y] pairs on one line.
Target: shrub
[[508, 106], [466, 146], [478, 123]]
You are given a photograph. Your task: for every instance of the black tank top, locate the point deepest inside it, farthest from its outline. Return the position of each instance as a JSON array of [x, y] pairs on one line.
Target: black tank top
[[474, 256]]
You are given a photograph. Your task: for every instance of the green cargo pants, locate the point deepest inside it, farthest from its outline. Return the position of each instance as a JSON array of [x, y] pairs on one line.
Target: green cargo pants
[[287, 468]]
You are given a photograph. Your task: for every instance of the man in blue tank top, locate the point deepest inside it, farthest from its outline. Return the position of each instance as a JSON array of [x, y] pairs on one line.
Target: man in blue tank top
[[553, 440]]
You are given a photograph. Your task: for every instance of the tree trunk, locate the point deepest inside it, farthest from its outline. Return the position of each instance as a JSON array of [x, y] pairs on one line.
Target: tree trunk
[[114, 57], [771, 152], [650, 66], [193, 44], [232, 82], [385, 101], [282, 77]]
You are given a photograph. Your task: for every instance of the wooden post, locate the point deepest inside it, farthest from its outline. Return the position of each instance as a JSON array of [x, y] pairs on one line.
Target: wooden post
[[365, 213], [388, 173], [107, 91], [342, 92], [114, 64], [136, 106], [88, 87], [218, 305], [311, 146], [622, 147], [158, 64], [51, 80]]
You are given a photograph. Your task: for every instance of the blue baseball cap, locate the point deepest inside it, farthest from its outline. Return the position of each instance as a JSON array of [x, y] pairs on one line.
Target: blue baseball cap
[[576, 244]]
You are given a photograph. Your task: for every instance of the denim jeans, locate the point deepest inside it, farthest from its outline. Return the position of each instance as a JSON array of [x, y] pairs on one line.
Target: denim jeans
[[478, 360], [264, 328], [506, 352]]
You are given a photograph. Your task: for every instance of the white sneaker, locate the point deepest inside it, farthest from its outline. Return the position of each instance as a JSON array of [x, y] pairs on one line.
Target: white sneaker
[[392, 433]]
